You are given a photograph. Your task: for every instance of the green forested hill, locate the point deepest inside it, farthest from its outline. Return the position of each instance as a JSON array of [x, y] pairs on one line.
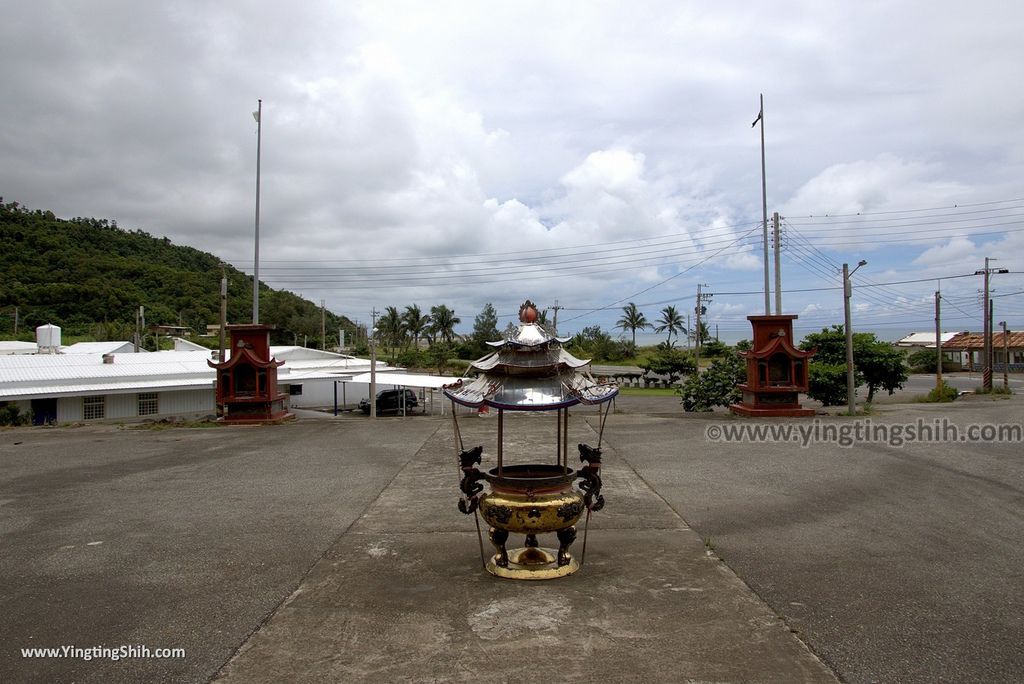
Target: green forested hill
[[90, 277]]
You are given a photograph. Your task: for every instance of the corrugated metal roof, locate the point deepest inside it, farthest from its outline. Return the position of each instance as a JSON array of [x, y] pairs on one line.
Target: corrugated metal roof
[[62, 374], [970, 341], [100, 348], [924, 338], [14, 347], [407, 379], [43, 375]]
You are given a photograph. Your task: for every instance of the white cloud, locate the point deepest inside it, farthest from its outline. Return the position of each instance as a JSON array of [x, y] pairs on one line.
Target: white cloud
[[956, 251], [869, 186], [426, 130]]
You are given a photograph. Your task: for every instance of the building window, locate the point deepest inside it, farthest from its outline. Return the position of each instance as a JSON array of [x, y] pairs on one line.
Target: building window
[[149, 404], [94, 407], [295, 390]]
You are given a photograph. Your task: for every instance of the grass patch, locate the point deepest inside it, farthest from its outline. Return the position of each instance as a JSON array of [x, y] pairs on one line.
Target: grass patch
[[997, 390], [648, 392], [168, 423]]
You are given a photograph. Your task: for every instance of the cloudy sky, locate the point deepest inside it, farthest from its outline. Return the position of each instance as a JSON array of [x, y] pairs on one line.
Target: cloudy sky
[[586, 153]]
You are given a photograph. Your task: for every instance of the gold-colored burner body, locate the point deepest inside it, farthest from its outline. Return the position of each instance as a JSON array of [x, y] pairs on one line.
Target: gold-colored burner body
[[526, 512], [532, 563]]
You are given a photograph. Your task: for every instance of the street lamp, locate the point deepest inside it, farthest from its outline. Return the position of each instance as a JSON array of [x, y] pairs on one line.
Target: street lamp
[[851, 397], [373, 374], [258, 115]]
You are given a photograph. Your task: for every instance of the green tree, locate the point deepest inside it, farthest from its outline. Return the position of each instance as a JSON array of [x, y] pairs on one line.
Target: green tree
[[390, 329], [80, 272], [594, 343], [670, 361], [714, 348], [877, 364], [827, 382], [717, 386], [442, 323], [670, 320], [438, 356], [415, 323], [705, 334], [880, 364], [485, 329], [632, 319]]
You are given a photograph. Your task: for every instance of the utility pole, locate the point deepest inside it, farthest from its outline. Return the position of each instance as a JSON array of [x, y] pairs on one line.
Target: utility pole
[[373, 366], [256, 261], [989, 347], [323, 326], [223, 309], [986, 375], [778, 265], [851, 391], [1006, 357], [938, 343], [15, 321], [554, 325], [764, 206], [699, 309]]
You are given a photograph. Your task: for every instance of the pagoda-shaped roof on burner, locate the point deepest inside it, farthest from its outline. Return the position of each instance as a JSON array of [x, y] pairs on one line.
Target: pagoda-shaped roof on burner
[[530, 371]]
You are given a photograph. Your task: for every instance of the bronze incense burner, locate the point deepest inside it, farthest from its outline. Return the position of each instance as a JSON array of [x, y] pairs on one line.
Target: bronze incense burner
[[530, 371]]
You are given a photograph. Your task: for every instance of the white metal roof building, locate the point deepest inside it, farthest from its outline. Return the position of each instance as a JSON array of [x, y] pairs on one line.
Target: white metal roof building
[[91, 385], [924, 339], [15, 347]]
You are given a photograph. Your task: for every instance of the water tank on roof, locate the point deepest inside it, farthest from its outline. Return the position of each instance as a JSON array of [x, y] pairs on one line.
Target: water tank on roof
[[48, 339]]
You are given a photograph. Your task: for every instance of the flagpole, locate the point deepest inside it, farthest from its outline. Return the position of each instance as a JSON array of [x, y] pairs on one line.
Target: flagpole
[[256, 259], [764, 205]]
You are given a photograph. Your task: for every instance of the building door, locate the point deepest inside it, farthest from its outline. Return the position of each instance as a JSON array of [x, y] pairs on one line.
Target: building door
[[44, 411]]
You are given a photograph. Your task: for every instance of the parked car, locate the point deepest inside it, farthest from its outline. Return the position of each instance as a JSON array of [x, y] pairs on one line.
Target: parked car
[[390, 401]]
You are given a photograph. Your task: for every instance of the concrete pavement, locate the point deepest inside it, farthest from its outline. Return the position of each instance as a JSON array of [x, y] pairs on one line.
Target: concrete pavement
[[894, 563], [331, 550], [402, 596]]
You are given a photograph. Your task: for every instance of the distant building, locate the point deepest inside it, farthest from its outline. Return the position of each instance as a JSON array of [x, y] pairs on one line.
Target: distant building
[[14, 347], [924, 340], [969, 346], [106, 381]]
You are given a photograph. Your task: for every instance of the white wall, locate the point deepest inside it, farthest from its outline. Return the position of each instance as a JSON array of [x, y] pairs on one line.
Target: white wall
[[193, 403], [320, 393], [69, 409], [187, 403]]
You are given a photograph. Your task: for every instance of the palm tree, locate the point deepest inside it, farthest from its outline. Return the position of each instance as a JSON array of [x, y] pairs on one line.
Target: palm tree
[[390, 328], [415, 323], [442, 322], [670, 320], [632, 319]]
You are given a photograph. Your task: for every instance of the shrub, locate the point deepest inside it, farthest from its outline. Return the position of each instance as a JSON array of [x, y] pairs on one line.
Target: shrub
[[410, 358], [943, 394], [714, 348], [827, 383], [667, 360], [717, 386], [12, 415]]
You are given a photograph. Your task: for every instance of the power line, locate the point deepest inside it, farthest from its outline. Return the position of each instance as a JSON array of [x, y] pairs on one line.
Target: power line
[[910, 211], [672, 277]]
